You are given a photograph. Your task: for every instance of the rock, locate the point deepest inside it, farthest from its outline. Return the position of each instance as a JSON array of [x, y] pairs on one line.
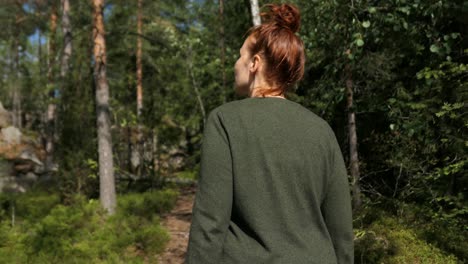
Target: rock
[[30, 177], [28, 154], [40, 169], [27, 180], [24, 167], [5, 117], [21, 157], [12, 187], [11, 135], [27, 161]]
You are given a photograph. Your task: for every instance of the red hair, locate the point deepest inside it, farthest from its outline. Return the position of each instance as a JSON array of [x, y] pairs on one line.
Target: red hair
[[275, 40]]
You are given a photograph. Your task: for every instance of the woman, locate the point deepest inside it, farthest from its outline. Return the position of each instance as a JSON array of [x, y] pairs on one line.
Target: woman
[[273, 185]]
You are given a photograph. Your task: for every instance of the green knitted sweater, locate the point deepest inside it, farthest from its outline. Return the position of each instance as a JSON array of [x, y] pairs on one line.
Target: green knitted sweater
[[272, 188]]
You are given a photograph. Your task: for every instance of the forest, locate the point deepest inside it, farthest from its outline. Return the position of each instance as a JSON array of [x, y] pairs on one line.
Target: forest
[[103, 105]]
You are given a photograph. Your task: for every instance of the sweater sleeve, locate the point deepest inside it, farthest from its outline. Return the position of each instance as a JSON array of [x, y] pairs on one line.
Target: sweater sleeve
[[213, 199], [336, 208]]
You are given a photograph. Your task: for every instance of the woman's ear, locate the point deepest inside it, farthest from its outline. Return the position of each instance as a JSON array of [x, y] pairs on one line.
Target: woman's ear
[[255, 63]]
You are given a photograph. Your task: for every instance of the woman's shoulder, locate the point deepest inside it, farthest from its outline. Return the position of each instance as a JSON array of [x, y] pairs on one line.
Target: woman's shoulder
[[247, 107], [249, 103]]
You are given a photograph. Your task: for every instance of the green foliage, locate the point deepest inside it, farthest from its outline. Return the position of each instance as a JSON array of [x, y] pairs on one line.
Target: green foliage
[[388, 239], [82, 232], [408, 70], [27, 206], [148, 203], [12, 250], [35, 205], [188, 174], [447, 233], [78, 175], [408, 66]]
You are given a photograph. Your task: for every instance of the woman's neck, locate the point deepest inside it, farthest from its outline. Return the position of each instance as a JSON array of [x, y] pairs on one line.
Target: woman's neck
[[256, 93], [259, 85]]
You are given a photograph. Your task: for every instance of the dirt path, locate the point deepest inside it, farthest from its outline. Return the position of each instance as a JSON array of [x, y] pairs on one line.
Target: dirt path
[[177, 222]]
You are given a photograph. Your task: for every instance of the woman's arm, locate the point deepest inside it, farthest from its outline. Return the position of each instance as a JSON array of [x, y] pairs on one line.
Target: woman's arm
[[336, 208], [213, 199]]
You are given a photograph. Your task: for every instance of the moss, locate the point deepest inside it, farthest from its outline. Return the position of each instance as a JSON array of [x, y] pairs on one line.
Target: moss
[[388, 240]]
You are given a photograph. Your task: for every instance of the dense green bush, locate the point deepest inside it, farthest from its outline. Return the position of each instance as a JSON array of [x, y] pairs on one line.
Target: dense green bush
[[27, 206], [83, 233], [11, 247], [35, 205], [148, 203]]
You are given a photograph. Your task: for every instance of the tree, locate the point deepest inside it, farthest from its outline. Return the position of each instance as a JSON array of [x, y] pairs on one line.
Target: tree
[[106, 164], [67, 40], [51, 107], [20, 31], [352, 139], [17, 120], [137, 148], [222, 47], [139, 72], [255, 12]]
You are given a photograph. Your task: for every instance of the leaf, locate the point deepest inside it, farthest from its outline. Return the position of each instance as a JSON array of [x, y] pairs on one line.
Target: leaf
[[455, 35], [360, 42], [434, 48], [366, 24]]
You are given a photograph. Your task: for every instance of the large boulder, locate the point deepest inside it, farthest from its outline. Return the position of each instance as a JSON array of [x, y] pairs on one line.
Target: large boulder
[[21, 159], [5, 117]]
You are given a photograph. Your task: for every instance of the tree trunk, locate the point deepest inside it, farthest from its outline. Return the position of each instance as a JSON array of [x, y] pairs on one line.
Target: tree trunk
[[106, 164], [17, 121], [222, 49], [255, 12], [155, 159], [195, 84], [51, 107], [353, 149], [137, 148], [39, 54], [139, 67], [67, 40]]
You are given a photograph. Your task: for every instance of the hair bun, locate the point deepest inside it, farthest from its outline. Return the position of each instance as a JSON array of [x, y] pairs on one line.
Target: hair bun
[[284, 15]]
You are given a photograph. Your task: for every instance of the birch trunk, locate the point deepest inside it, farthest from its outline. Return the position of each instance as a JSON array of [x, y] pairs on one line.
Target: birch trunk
[[255, 12]]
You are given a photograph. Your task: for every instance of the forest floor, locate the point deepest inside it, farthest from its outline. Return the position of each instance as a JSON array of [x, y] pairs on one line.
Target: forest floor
[[177, 222]]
